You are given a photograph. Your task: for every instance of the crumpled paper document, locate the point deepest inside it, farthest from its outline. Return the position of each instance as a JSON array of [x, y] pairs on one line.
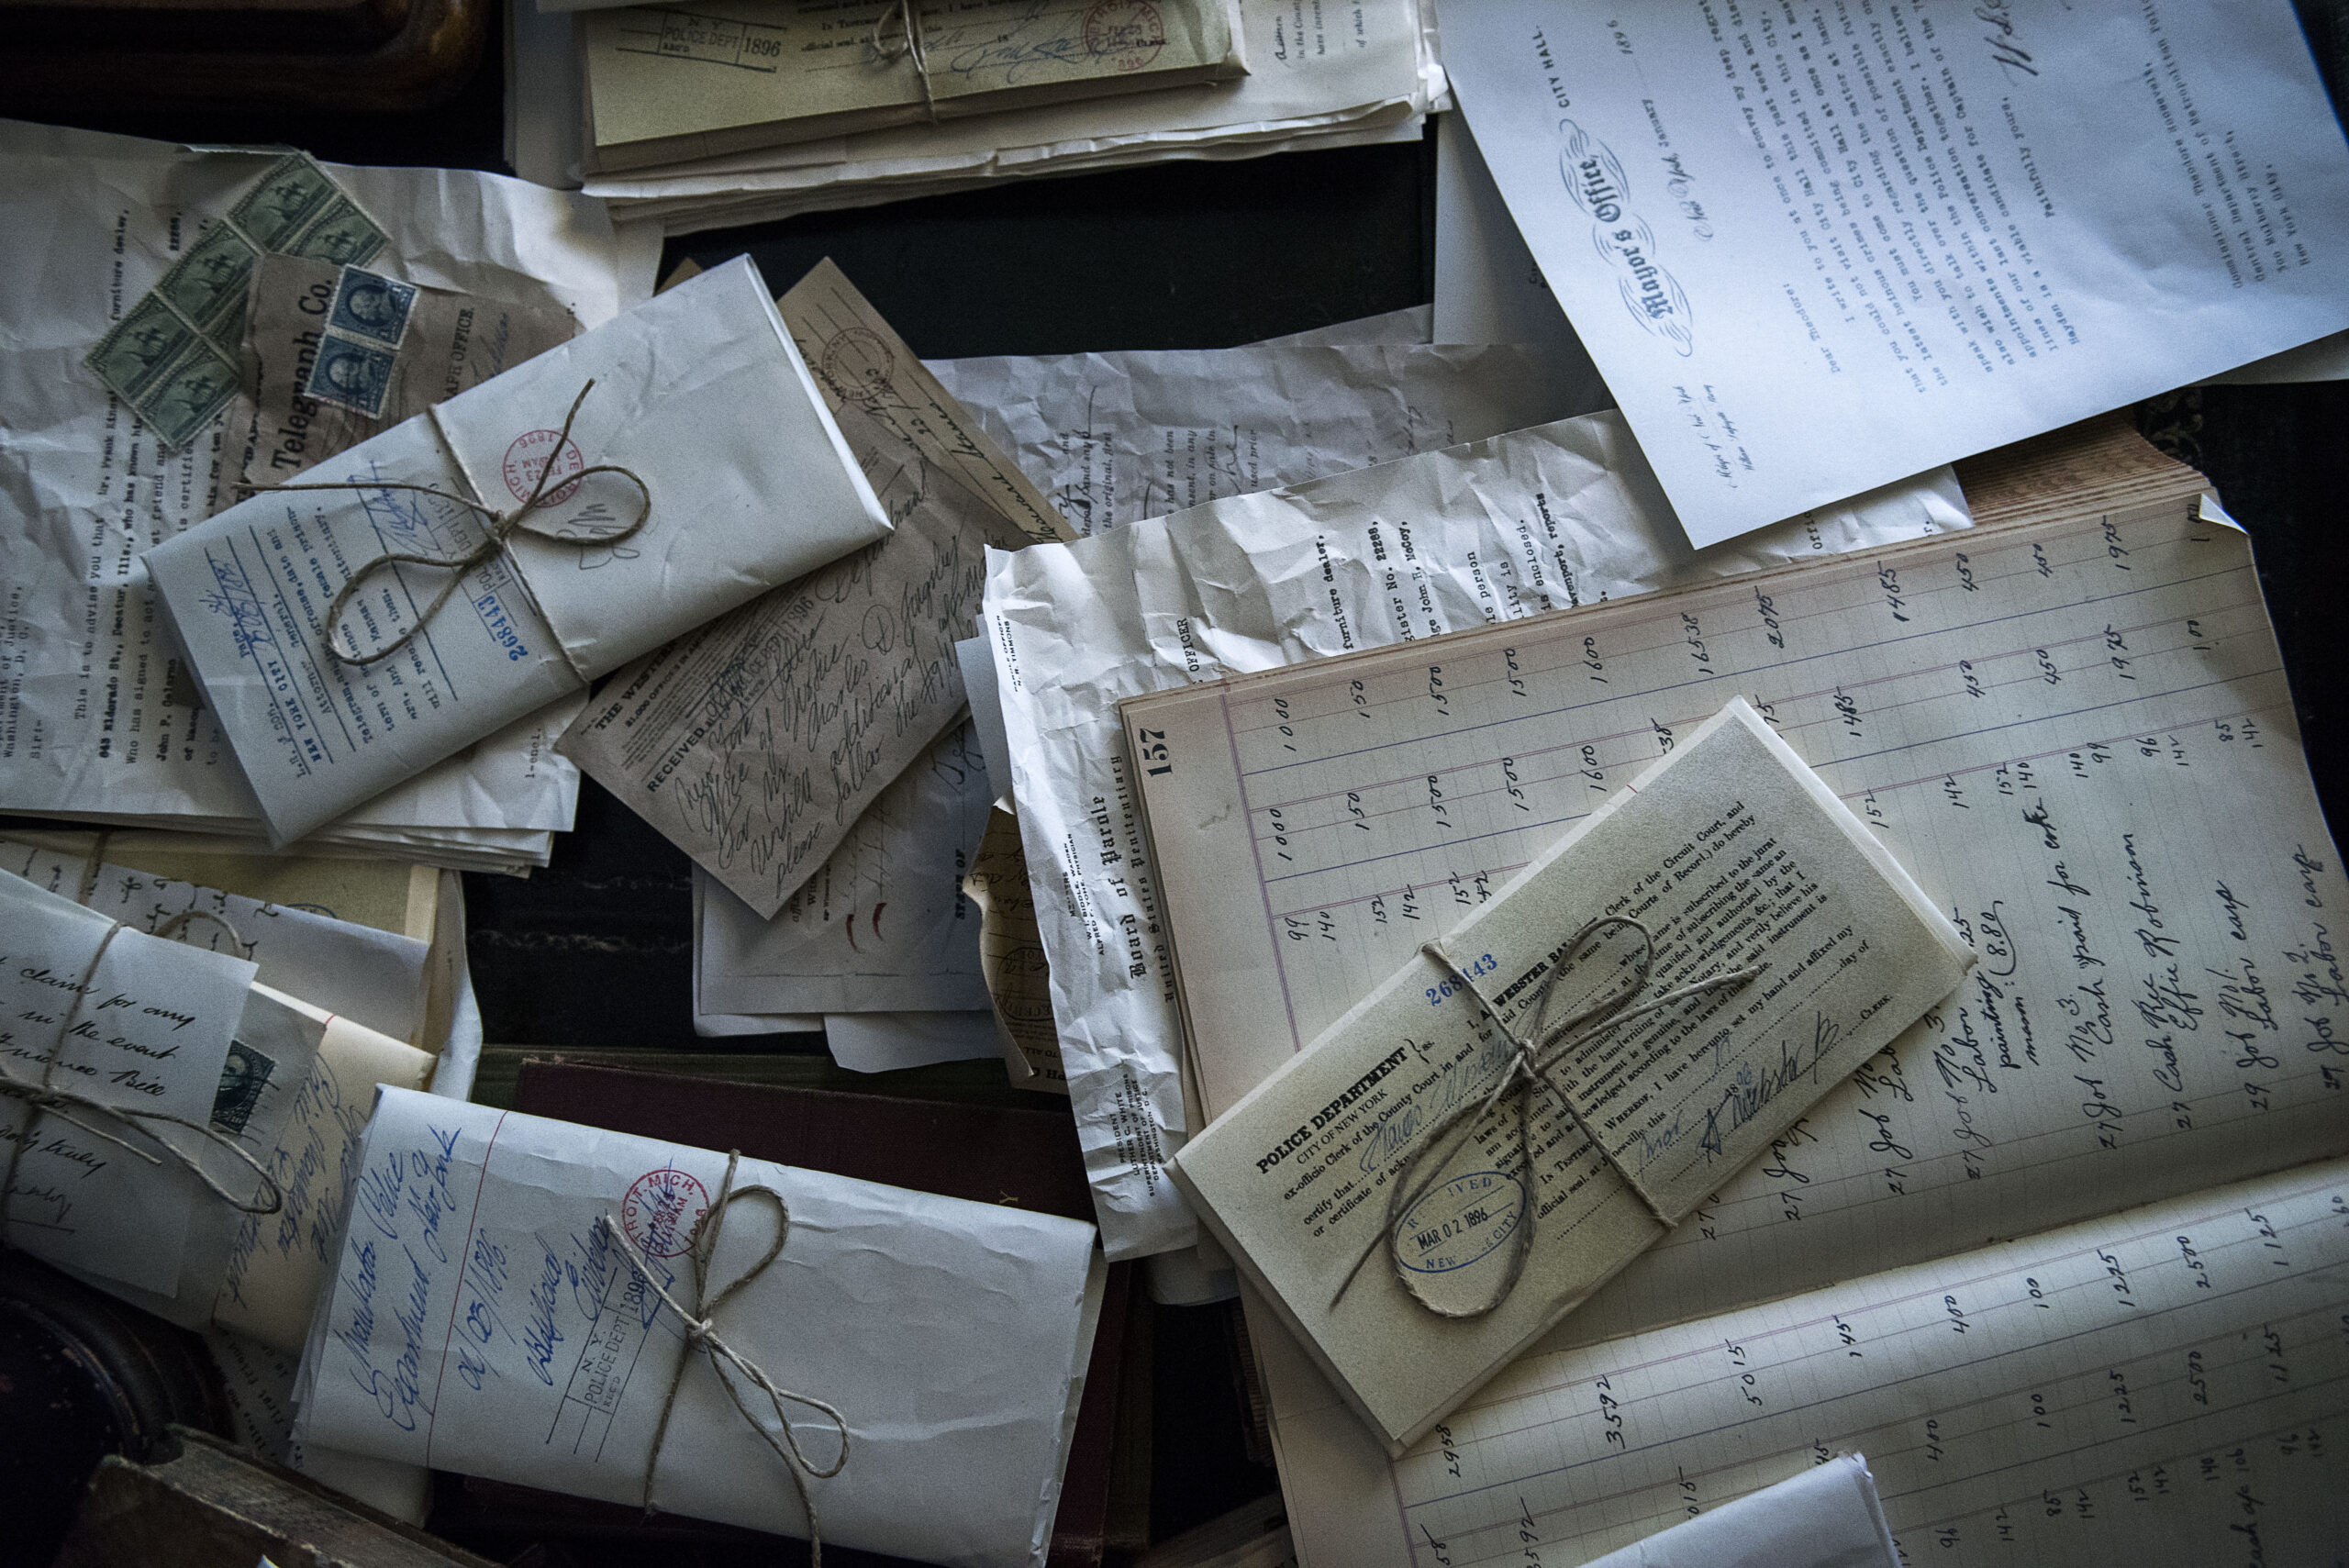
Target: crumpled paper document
[[1095, 431], [86, 222], [446, 342], [486, 1319], [1535, 521], [1141, 434]]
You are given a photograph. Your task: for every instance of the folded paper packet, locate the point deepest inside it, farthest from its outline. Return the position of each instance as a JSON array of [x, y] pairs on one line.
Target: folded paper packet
[[1493, 1132], [662, 85], [167, 1125], [509, 1297], [584, 507]]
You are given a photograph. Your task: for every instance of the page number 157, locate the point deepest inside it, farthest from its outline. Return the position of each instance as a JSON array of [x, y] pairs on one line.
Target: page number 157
[[1151, 743]]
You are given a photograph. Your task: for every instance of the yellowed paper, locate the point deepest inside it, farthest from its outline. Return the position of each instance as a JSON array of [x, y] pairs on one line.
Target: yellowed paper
[[278, 1264], [754, 743], [448, 341], [730, 75], [1728, 853], [1011, 957]]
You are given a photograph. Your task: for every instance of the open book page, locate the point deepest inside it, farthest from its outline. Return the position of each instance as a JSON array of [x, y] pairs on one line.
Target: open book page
[[2159, 1385], [1725, 861], [1495, 531], [2077, 736]]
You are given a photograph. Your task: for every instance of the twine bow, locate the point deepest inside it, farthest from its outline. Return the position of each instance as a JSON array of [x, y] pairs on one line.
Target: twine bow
[[502, 527], [906, 43], [1532, 1062], [701, 1334], [45, 1097]]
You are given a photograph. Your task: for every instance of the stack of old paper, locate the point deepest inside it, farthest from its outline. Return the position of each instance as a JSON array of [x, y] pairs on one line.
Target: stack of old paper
[[921, 1360], [880, 944], [700, 473], [99, 720], [1318, 76], [665, 85], [1536, 520]]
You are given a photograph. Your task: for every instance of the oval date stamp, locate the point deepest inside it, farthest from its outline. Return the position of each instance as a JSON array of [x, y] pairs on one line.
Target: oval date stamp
[[1459, 1222], [1126, 35], [660, 1210], [529, 454], [858, 363]]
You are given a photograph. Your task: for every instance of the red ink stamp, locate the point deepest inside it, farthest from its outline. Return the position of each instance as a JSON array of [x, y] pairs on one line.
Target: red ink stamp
[[662, 1210], [529, 454], [1127, 34]]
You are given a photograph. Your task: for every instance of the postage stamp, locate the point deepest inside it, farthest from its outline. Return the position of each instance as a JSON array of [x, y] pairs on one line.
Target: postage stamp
[[207, 285], [133, 355], [288, 197], [1126, 35], [660, 1210], [350, 374], [342, 234], [368, 306], [174, 358], [191, 391], [244, 1074]]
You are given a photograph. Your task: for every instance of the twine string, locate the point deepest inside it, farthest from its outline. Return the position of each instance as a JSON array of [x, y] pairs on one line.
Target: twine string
[[701, 1334], [897, 35], [45, 1096], [503, 525], [1533, 1060]]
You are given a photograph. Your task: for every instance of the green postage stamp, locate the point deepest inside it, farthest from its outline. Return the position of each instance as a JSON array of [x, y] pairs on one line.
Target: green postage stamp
[[174, 356]]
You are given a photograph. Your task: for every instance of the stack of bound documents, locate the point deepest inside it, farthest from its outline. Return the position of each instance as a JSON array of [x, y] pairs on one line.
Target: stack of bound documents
[[100, 718], [1317, 76], [666, 85]]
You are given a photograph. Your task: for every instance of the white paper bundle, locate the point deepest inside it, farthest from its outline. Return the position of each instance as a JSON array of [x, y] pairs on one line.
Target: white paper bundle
[[722, 477], [507, 1304]]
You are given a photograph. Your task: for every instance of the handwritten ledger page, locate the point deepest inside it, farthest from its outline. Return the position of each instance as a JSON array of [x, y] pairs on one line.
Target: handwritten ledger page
[[2075, 735], [1501, 529], [2160, 1385]]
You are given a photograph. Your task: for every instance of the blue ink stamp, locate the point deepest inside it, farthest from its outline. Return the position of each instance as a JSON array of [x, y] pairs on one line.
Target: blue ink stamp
[[351, 375], [371, 306], [1459, 1222]]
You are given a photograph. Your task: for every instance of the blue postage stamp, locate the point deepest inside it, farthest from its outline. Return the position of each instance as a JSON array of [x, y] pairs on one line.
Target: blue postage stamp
[[372, 306], [244, 1074], [352, 374]]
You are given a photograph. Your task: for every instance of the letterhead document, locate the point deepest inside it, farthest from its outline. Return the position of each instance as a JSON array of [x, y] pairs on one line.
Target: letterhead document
[[740, 475], [1814, 247]]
